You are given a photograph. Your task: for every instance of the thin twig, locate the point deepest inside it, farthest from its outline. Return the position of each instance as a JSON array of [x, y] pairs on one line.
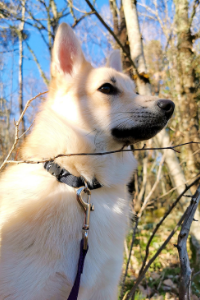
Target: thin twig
[[196, 274], [194, 8], [77, 21], [129, 257], [26, 131], [96, 153], [17, 137], [161, 279], [175, 188], [153, 188]]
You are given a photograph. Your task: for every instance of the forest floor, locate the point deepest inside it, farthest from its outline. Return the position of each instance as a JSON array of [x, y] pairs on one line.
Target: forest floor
[[162, 279]]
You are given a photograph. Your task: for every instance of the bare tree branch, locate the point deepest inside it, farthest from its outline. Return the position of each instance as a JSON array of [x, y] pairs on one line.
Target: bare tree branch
[[17, 137], [196, 35], [186, 272], [194, 9], [130, 253], [77, 21], [153, 188], [175, 188], [38, 64], [36, 21], [196, 274]]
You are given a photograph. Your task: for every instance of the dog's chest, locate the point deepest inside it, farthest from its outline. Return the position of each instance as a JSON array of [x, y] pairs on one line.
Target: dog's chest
[[108, 225]]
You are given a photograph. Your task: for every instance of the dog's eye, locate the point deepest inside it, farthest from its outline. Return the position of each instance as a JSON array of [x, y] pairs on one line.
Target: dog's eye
[[109, 89]]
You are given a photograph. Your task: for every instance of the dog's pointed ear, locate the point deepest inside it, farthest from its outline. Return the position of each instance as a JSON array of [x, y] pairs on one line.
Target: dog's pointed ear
[[67, 55], [114, 61]]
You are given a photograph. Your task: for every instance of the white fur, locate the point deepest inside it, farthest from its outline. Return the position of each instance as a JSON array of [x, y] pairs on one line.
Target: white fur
[[41, 221]]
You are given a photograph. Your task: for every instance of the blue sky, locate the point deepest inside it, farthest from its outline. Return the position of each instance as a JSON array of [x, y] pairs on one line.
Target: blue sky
[[33, 83], [90, 31]]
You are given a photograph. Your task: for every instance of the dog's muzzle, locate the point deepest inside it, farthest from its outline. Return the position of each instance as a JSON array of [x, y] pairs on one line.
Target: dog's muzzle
[[151, 121]]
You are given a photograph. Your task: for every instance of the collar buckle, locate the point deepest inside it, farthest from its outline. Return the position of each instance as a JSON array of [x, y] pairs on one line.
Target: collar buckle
[[53, 168]]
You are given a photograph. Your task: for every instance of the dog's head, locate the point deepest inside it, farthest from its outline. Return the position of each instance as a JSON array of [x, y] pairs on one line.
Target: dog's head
[[102, 102]]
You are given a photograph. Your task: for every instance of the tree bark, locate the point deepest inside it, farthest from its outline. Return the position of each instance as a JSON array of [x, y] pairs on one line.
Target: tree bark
[[188, 87]]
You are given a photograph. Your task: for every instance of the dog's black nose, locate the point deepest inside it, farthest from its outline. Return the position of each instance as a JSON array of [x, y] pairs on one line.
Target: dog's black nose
[[167, 106]]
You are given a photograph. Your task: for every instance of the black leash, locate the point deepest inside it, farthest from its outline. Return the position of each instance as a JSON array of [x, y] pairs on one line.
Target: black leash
[[75, 289], [66, 177]]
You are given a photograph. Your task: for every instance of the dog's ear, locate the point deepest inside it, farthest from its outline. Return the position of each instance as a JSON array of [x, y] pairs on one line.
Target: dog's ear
[[114, 61], [67, 55]]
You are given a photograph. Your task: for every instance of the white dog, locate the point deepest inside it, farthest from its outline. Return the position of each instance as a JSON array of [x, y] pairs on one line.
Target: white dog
[[88, 110]]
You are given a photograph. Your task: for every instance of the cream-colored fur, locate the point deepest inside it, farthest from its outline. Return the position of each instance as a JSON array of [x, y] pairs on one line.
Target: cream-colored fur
[[40, 218]]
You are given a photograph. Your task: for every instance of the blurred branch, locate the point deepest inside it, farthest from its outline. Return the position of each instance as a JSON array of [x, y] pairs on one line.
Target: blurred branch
[[48, 24], [46, 81], [36, 21], [176, 187], [185, 276], [144, 182], [10, 13], [155, 16], [194, 8], [70, 4], [77, 21], [196, 274], [196, 35], [39, 27], [6, 51], [153, 188], [130, 253], [158, 17]]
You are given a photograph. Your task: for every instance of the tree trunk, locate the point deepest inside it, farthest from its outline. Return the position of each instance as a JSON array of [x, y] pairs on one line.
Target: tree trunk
[[186, 95], [136, 46]]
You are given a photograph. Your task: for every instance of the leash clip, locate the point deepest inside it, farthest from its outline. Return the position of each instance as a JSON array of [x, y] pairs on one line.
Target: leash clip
[[87, 207]]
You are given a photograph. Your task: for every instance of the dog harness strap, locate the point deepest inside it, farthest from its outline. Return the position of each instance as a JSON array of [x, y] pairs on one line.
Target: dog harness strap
[[75, 289], [66, 177]]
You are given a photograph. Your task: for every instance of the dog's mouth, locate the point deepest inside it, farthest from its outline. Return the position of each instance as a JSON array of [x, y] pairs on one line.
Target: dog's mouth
[[135, 134]]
